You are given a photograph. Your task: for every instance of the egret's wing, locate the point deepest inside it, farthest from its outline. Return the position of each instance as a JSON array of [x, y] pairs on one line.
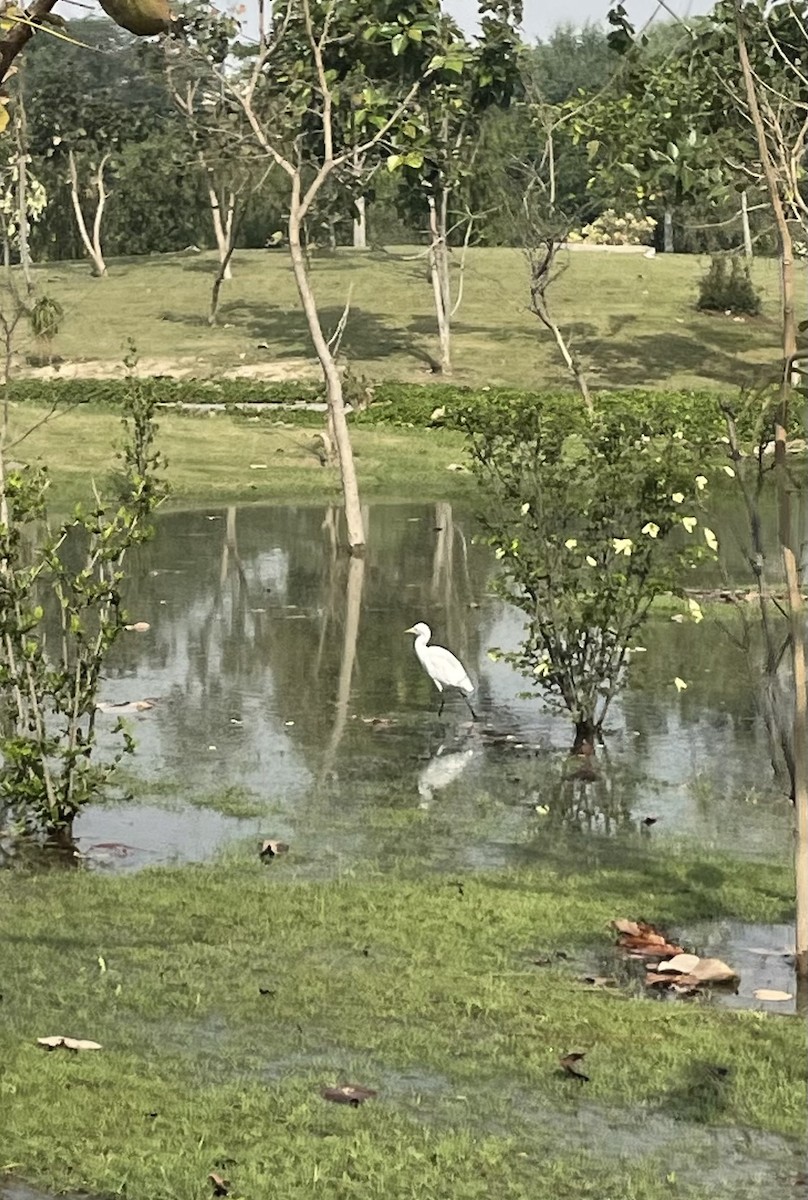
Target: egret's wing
[[448, 670]]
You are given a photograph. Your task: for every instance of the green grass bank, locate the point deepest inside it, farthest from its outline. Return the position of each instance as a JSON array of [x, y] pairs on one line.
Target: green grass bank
[[225, 996]]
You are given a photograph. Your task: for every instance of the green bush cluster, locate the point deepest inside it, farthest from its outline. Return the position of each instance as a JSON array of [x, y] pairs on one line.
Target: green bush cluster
[[411, 405], [728, 287]]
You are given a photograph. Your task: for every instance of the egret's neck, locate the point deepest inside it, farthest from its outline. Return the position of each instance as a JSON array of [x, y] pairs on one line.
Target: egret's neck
[[421, 640]]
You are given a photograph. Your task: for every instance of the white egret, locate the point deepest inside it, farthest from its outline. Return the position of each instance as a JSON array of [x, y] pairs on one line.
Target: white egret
[[441, 666]]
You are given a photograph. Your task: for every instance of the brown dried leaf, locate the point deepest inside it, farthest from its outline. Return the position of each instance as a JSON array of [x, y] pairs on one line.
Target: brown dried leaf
[[680, 964], [712, 970], [348, 1093], [570, 1064], [221, 1187], [685, 985], [654, 979], [138, 627], [648, 945], [623, 926], [772, 994], [271, 847]]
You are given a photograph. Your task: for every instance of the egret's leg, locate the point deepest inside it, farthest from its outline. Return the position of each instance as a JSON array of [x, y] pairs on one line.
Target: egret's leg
[[471, 710], [440, 706]]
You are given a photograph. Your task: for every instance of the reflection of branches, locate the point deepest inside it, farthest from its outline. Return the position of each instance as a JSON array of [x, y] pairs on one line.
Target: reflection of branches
[[775, 714]]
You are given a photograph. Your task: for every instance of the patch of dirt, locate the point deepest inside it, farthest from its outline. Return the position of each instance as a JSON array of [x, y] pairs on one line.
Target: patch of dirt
[[177, 368]]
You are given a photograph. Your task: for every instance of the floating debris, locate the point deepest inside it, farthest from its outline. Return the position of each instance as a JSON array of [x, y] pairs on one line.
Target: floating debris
[[127, 706]]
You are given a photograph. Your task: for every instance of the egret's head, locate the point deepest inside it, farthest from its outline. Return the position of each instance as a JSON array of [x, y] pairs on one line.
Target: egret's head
[[420, 630]]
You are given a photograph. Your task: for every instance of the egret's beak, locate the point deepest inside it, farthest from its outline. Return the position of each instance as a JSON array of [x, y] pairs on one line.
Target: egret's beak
[[410, 630]]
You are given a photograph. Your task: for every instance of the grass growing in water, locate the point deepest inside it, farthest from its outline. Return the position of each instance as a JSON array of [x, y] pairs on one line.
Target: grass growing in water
[[225, 996]]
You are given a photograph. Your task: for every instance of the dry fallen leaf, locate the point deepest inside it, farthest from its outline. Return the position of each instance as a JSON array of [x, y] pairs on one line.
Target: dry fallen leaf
[[630, 927], [220, 1186], [654, 979], [271, 847], [66, 1043], [348, 1093], [138, 627], [680, 964], [570, 1064], [648, 821], [712, 970], [772, 994]]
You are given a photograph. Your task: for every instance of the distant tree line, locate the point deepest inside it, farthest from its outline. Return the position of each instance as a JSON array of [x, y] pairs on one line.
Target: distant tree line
[[112, 107]]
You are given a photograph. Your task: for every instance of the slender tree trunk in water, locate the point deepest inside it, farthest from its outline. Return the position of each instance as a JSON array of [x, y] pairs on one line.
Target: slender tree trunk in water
[[360, 224], [333, 383], [584, 743], [747, 232], [439, 274], [667, 232], [786, 533]]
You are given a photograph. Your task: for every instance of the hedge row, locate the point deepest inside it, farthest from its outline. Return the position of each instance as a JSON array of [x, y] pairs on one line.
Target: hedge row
[[414, 405]]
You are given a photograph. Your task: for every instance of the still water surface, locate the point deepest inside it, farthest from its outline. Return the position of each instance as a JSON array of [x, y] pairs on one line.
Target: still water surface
[[284, 679]]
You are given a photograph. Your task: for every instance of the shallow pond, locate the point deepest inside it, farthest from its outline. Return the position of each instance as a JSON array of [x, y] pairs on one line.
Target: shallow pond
[[288, 702]]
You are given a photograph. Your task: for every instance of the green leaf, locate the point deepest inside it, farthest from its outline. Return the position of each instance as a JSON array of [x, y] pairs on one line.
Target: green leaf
[[394, 162], [398, 43]]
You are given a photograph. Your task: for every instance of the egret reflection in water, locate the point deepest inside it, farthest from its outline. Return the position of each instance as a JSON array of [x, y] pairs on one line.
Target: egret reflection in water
[[443, 769]]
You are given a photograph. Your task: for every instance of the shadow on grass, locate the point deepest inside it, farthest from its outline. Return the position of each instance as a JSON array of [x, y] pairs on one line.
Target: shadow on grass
[[366, 335], [714, 353], [702, 1093]]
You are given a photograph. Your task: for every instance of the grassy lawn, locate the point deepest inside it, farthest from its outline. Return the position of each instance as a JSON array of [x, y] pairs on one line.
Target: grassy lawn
[[225, 996], [218, 457], [632, 319]]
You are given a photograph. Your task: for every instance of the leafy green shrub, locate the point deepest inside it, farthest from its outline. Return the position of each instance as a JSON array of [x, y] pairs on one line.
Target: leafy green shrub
[[728, 289], [591, 517], [406, 405]]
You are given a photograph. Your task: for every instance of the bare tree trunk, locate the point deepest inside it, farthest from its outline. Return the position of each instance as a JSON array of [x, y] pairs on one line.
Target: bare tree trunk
[[439, 274], [747, 232], [91, 244], [223, 229], [785, 522], [360, 224], [333, 382], [573, 363], [667, 232], [21, 131]]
